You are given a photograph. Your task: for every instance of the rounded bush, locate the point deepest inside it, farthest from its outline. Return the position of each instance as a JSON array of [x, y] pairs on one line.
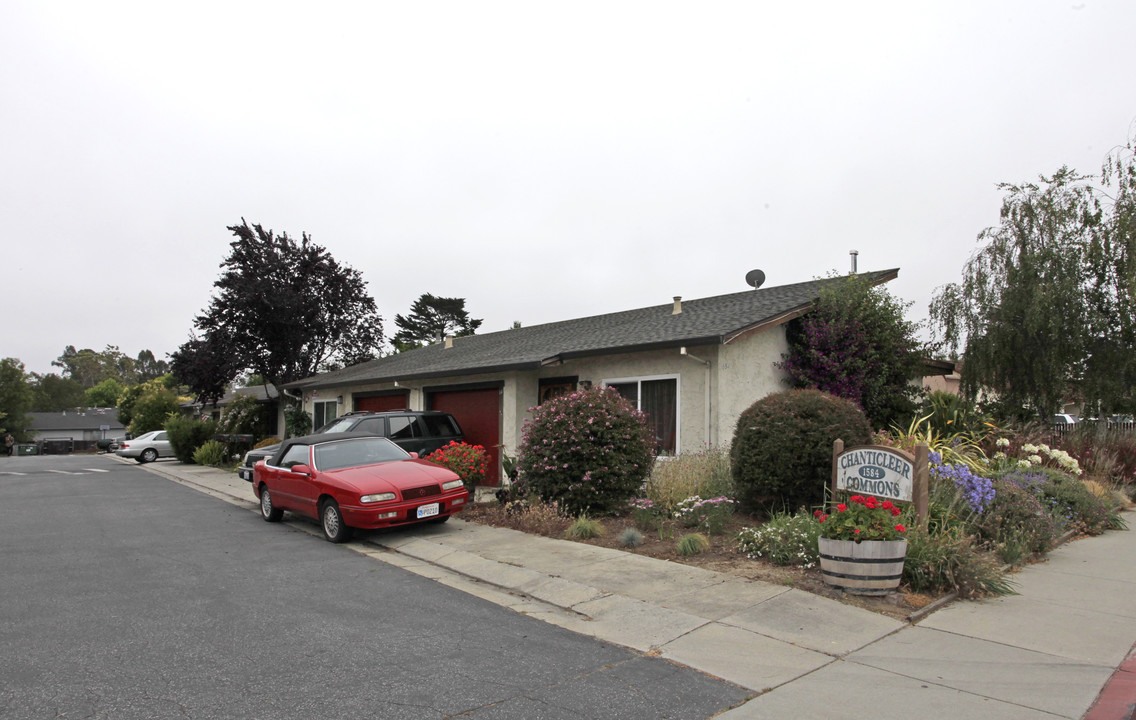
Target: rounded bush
[[188, 434], [782, 450], [210, 453], [588, 451]]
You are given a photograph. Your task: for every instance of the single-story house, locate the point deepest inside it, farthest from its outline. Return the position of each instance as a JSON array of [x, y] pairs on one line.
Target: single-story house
[[76, 429], [693, 366], [266, 395]]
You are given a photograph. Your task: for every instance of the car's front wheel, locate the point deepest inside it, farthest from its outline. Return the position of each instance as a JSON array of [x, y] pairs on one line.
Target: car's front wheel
[[148, 455], [331, 520], [268, 511]]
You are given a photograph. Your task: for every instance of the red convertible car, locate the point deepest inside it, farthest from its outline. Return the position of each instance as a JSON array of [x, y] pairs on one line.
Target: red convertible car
[[348, 481]]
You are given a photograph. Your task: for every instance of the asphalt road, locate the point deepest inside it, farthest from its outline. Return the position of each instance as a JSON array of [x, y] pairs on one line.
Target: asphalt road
[[124, 595]]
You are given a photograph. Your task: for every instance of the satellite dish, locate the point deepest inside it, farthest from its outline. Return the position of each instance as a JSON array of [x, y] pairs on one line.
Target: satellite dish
[[755, 278]]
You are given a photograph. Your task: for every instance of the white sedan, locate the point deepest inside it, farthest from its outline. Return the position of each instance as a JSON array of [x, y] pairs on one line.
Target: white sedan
[[146, 448]]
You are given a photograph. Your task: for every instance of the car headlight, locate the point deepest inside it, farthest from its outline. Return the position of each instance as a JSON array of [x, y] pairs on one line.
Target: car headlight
[[380, 497], [452, 485]]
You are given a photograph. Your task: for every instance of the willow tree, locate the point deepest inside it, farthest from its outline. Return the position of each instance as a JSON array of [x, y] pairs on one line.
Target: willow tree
[[1044, 312]]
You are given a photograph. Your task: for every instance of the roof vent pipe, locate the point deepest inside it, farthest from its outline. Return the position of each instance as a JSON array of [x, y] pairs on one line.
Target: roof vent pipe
[[678, 305], [853, 253]]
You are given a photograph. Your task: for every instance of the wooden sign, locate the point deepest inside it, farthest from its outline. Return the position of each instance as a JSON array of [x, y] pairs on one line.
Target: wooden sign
[[882, 471]]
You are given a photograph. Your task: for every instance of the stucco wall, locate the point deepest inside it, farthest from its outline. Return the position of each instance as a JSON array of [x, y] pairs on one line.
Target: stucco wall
[[748, 374], [738, 374]]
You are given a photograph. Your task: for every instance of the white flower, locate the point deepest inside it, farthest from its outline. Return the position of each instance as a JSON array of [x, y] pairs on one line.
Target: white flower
[[1035, 459], [999, 455], [1024, 464], [1003, 442], [1029, 448], [1043, 447]]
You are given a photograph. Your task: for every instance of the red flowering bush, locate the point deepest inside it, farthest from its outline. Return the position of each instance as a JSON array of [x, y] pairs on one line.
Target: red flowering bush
[[863, 518], [589, 451], [469, 462]]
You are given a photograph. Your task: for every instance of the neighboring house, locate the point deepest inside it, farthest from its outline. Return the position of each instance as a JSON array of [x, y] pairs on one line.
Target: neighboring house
[[264, 394], [693, 366], [82, 428], [941, 375]]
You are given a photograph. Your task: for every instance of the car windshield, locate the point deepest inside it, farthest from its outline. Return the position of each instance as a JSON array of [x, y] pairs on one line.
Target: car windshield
[[357, 451], [343, 424]]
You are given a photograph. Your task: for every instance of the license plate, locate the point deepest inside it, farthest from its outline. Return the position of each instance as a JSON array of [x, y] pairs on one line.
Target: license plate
[[428, 510]]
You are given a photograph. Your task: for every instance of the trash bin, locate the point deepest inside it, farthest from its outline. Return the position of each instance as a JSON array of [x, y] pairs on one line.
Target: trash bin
[[27, 449]]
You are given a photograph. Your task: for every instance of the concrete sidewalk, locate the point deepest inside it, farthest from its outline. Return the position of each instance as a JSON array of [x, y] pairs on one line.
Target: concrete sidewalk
[[1044, 653]]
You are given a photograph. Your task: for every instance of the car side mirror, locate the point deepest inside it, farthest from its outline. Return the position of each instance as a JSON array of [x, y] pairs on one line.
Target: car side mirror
[[414, 456], [301, 469]]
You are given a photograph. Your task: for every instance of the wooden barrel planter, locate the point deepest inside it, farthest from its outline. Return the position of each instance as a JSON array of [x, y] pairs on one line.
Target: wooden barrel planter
[[870, 567]]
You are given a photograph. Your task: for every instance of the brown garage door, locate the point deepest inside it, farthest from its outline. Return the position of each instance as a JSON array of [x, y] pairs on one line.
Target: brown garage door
[[479, 414], [379, 403]]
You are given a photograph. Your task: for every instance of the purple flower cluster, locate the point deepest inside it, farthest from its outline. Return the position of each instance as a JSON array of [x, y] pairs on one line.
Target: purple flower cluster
[[976, 490]]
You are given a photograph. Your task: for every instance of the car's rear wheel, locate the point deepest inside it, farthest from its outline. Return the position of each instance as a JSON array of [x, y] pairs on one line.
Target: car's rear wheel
[[148, 455], [268, 511], [331, 520]]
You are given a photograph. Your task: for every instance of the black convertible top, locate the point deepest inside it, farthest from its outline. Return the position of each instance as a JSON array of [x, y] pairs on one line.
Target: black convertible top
[[317, 438]]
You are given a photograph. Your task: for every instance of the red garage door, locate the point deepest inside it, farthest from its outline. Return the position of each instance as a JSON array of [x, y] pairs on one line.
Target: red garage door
[[479, 414], [379, 403]]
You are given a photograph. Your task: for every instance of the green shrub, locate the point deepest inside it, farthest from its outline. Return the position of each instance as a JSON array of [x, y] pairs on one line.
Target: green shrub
[[949, 560], [1074, 506], [188, 434], [783, 540], [952, 415], [692, 544], [630, 538], [297, 421], [705, 473], [589, 451], [584, 529], [1015, 524], [211, 453], [782, 450]]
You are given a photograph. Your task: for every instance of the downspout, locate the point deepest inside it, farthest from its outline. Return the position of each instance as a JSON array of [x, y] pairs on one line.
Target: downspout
[[706, 403], [299, 397]]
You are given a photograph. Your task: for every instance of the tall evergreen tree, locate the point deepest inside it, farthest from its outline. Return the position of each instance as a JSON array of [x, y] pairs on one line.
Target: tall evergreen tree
[[430, 319]]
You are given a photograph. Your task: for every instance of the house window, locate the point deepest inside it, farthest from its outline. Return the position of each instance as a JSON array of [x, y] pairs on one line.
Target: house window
[[555, 387], [323, 413], [658, 397]]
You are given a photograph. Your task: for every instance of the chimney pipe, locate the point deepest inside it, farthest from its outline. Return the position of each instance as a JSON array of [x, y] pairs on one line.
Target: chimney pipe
[[677, 306], [853, 253], [449, 341]]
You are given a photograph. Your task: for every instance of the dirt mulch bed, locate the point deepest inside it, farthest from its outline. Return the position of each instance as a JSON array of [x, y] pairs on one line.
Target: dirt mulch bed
[[722, 556]]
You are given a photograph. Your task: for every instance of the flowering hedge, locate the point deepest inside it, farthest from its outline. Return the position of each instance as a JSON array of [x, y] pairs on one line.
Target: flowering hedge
[[590, 451], [470, 462]]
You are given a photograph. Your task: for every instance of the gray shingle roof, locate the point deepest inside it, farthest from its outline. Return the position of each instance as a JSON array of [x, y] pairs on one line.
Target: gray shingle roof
[[262, 394], [90, 419], [702, 321]]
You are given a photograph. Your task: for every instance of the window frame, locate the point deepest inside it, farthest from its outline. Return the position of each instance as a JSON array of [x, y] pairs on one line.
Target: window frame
[[315, 412], [639, 380]]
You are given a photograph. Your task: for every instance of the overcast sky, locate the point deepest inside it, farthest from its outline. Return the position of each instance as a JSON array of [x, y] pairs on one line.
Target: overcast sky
[[544, 161]]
